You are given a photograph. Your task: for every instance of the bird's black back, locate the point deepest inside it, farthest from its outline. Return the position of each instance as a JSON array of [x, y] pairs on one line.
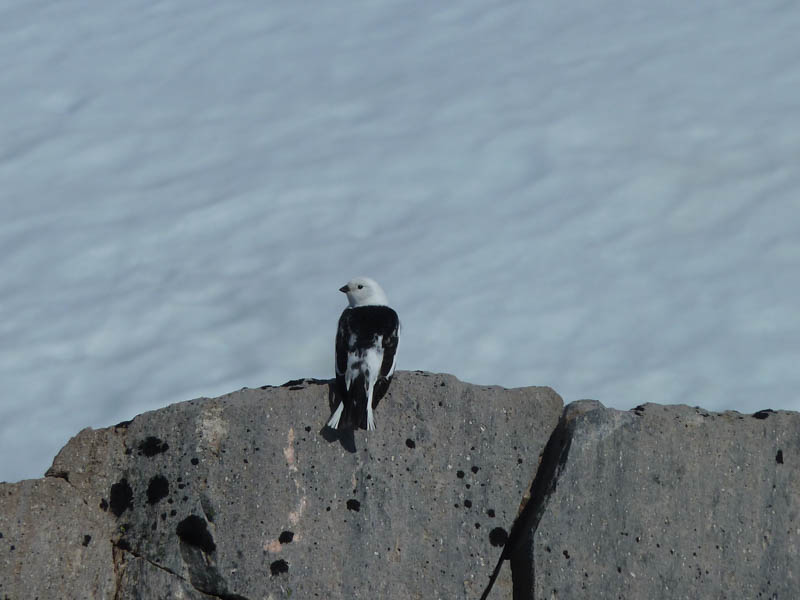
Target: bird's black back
[[358, 329]]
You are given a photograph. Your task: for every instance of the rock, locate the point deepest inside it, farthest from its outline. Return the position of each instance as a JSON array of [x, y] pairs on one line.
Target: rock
[[51, 544], [670, 502], [249, 496]]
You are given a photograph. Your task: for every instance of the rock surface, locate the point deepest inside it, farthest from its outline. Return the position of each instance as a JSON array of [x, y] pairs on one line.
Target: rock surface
[[45, 528], [671, 502], [248, 496]]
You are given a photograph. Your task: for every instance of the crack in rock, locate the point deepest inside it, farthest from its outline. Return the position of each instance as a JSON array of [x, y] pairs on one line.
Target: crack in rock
[[519, 547], [208, 586], [64, 475]]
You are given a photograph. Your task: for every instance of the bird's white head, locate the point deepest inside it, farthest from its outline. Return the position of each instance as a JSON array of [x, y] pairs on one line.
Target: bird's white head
[[363, 291]]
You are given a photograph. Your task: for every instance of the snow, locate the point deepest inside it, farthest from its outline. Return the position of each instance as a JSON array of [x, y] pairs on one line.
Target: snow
[[596, 196]]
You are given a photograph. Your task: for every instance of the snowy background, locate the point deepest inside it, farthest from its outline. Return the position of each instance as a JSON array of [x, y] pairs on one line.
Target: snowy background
[[600, 196]]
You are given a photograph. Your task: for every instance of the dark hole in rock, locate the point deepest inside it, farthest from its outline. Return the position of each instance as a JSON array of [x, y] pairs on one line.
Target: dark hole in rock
[[460, 474], [566, 554], [410, 443], [151, 445], [475, 469], [498, 536], [194, 461], [490, 512], [278, 567], [353, 504], [157, 489], [121, 497], [779, 457], [194, 531], [286, 537], [763, 414], [86, 539]]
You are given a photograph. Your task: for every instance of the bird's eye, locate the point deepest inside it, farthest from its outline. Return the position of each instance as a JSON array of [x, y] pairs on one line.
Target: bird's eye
[[360, 286]]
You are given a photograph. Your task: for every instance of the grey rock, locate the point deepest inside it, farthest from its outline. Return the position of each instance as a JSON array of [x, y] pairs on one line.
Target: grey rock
[[139, 579], [51, 544], [669, 502], [249, 496]]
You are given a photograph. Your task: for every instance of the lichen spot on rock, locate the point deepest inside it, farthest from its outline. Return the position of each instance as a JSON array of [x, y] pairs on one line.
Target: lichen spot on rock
[[151, 445], [121, 497], [157, 489], [498, 536], [193, 530], [279, 567], [286, 537]]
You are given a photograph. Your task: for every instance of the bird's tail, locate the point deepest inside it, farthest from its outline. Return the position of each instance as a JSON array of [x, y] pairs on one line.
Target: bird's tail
[[370, 410], [360, 415], [355, 408], [350, 404], [360, 392], [333, 422], [341, 416]]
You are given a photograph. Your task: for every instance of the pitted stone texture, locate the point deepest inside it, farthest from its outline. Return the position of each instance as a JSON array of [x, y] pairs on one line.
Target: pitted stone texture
[[51, 544], [674, 502], [249, 496]]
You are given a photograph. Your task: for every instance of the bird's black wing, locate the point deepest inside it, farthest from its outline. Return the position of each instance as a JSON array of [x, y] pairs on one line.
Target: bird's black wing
[[390, 335], [390, 331], [342, 335], [342, 350]]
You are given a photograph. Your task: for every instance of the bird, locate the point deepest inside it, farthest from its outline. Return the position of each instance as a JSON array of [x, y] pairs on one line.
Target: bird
[[366, 353]]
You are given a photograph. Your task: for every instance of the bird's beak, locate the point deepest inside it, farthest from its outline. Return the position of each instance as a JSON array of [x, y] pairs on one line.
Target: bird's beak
[[344, 289]]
